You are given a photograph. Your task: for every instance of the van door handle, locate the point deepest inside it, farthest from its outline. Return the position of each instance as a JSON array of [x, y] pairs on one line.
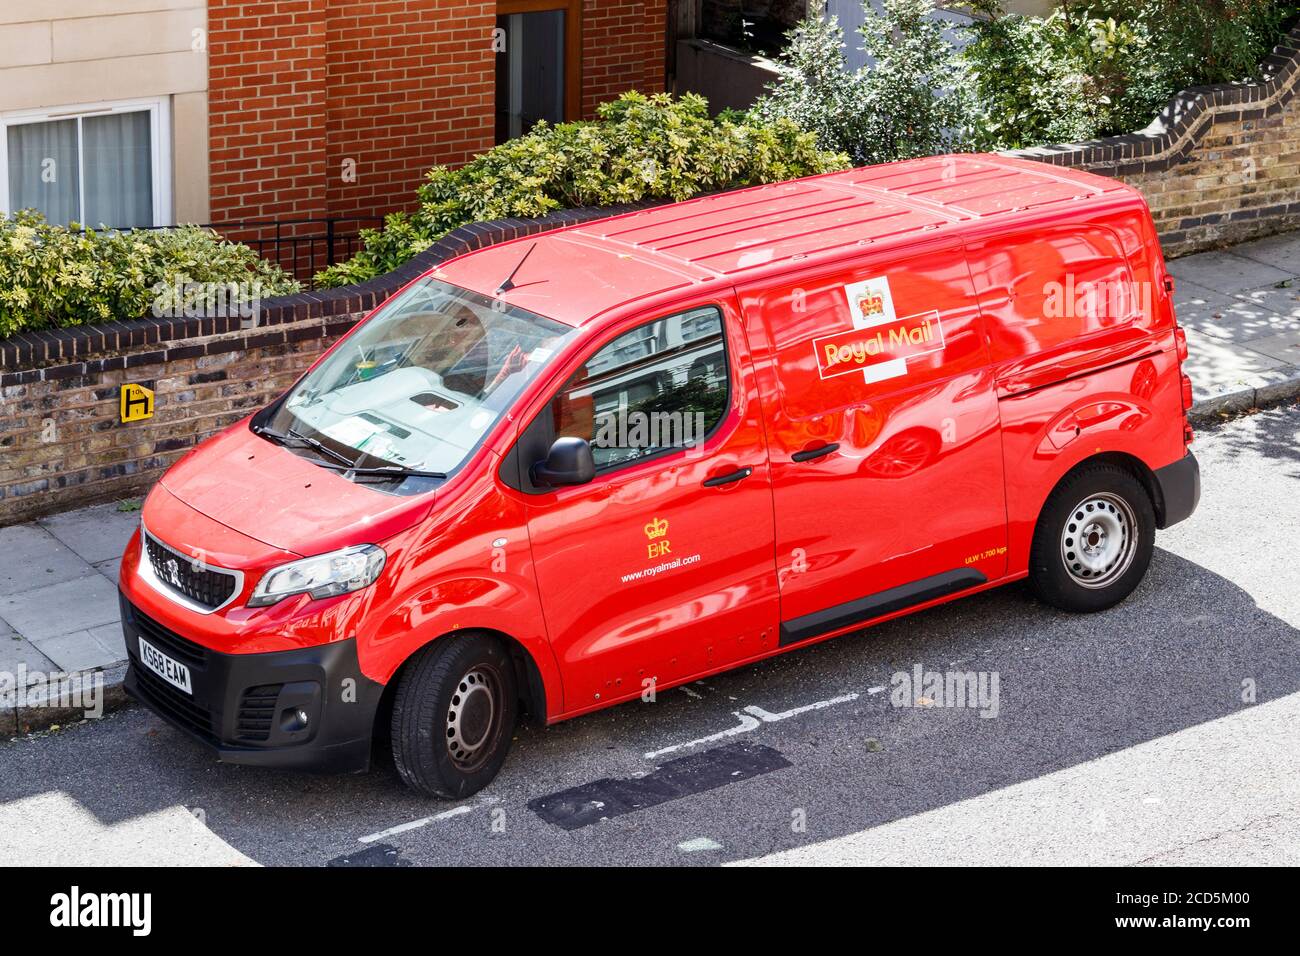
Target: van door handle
[[811, 454], [740, 474]]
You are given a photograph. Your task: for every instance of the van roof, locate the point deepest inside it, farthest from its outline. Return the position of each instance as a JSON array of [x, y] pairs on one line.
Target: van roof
[[578, 273]]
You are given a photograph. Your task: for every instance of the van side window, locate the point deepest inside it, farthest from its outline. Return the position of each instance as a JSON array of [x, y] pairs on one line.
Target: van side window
[[662, 385]]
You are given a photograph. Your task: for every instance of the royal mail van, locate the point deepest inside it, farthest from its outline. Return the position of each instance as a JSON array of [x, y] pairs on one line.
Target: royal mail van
[[578, 468]]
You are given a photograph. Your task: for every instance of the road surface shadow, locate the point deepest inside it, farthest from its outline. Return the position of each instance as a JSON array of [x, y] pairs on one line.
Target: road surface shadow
[[1271, 434], [1184, 649], [1072, 688]]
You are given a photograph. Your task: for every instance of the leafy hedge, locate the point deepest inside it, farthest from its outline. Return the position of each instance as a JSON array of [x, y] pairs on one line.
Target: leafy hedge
[[1106, 67], [1091, 68], [641, 147], [51, 276], [904, 104]]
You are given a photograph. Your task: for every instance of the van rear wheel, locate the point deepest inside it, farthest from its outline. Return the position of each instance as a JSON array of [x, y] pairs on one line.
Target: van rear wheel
[[1093, 541], [454, 715]]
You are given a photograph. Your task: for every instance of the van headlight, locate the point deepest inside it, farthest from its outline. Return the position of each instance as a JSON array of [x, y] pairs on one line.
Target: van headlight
[[325, 575]]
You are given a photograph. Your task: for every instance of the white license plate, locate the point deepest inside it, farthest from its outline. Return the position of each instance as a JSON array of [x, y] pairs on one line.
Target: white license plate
[[173, 672]]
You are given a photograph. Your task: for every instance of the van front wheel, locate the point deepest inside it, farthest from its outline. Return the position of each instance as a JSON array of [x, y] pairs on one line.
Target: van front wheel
[[1093, 541], [453, 716]]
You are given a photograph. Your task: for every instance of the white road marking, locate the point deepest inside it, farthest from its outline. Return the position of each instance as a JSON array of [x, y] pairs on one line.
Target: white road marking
[[416, 824], [747, 723], [699, 845], [686, 690], [751, 718], [767, 718], [875, 690]]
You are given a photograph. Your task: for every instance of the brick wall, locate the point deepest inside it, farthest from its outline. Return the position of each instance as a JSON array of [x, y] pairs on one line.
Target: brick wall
[[266, 101], [411, 85], [62, 445], [622, 49], [1219, 165], [299, 88]]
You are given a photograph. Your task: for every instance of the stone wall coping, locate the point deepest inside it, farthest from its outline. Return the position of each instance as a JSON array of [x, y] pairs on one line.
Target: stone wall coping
[[75, 351]]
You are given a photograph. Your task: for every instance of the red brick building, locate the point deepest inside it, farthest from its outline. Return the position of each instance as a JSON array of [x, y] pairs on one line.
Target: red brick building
[[329, 108]]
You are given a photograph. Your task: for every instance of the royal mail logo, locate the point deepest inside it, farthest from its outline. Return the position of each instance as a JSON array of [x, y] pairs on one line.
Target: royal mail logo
[[859, 349], [657, 531], [871, 304]]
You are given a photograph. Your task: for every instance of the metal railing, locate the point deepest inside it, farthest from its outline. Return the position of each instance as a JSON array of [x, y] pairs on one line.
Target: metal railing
[[302, 247]]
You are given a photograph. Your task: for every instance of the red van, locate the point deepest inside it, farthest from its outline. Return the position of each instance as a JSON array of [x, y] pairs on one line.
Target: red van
[[570, 470]]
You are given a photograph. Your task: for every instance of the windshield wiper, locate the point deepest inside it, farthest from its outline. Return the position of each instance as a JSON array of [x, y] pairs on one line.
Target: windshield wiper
[[385, 471], [344, 463], [302, 441]]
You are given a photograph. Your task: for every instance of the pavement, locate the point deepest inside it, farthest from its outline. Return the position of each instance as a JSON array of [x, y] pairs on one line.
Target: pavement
[[59, 620], [1241, 309], [1160, 731], [58, 600]]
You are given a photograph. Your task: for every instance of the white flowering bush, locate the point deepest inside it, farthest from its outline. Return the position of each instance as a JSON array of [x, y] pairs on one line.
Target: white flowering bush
[[908, 102]]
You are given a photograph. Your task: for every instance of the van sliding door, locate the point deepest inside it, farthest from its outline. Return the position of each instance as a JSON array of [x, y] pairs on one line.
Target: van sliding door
[[883, 435]]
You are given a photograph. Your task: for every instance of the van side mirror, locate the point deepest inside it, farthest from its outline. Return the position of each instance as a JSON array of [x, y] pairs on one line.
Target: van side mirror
[[568, 463]]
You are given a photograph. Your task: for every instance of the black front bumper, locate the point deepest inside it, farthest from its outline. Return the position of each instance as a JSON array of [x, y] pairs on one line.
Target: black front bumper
[[1180, 490], [244, 707]]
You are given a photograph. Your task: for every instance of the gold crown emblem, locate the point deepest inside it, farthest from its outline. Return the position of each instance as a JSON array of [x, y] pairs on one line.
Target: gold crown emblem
[[656, 529]]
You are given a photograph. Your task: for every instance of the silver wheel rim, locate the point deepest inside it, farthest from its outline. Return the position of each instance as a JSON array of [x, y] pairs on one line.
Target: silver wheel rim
[[1099, 540], [472, 717]]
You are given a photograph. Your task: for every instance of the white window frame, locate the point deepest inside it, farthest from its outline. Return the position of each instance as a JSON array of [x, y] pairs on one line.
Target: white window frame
[[160, 135]]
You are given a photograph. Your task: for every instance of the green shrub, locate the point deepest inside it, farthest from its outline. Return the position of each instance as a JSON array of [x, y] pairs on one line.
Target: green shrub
[[51, 276], [1104, 67], [1190, 44], [1030, 82], [905, 104], [641, 147], [814, 88]]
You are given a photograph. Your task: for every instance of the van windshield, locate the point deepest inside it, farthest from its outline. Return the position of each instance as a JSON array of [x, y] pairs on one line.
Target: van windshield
[[421, 382]]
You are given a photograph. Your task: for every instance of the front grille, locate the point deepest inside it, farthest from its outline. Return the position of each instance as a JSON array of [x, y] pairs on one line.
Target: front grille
[[173, 703], [181, 573], [256, 711], [169, 642]]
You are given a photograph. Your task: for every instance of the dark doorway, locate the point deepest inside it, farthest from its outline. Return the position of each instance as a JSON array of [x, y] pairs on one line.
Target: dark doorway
[[533, 71]]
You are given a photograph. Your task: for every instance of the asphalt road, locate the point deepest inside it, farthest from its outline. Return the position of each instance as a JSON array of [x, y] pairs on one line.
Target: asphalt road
[[1162, 731]]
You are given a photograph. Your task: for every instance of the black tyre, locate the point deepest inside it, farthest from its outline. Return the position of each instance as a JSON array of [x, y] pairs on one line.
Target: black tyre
[[1093, 541], [453, 716]]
